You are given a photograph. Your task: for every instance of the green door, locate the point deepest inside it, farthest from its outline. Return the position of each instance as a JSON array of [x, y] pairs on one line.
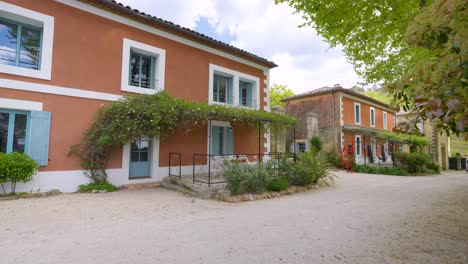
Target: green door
[[140, 159]]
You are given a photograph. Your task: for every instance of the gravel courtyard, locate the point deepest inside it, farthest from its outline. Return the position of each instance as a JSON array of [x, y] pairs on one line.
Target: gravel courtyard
[[364, 219]]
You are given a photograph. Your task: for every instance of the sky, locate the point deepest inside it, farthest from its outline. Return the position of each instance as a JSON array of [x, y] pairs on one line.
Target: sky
[[265, 29]]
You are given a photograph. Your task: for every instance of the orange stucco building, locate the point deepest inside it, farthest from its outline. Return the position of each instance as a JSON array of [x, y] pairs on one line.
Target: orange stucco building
[[342, 118], [60, 61]]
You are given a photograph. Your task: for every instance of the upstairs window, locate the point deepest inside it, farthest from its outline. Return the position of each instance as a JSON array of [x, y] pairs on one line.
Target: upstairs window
[[385, 120], [357, 113], [372, 117], [20, 44], [245, 94], [141, 70], [222, 89]]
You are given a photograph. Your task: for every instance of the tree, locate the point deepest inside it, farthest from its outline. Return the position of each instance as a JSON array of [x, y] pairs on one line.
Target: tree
[[379, 95], [415, 48], [279, 92]]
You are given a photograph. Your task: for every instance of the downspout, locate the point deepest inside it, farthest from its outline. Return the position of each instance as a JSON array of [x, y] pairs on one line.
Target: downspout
[[334, 122]]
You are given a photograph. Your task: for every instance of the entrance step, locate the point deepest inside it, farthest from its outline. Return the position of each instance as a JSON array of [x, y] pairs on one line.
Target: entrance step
[[135, 186], [187, 186]]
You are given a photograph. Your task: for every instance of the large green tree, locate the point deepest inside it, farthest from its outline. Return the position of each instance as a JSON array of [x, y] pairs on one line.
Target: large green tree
[[416, 48], [279, 92]]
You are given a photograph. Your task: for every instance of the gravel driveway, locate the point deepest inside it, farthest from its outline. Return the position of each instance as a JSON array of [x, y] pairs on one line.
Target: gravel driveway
[[364, 219]]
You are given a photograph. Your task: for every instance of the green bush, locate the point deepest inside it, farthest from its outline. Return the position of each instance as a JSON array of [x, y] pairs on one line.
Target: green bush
[[333, 159], [246, 178], [307, 170], [98, 186], [278, 184], [379, 170], [414, 162], [16, 167], [315, 144], [434, 167]]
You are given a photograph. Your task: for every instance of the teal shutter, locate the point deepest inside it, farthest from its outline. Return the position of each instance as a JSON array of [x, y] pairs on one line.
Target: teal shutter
[[249, 95], [215, 140], [39, 137], [229, 92], [230, 140]]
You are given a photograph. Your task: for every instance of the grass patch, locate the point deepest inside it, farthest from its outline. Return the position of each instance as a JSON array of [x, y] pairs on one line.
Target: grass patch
[[98, 186]]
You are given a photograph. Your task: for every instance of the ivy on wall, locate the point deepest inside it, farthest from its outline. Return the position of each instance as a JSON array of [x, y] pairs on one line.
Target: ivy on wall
[[157, 116]]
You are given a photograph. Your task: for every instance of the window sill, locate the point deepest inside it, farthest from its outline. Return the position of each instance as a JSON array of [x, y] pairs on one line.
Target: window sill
[[14, 70], [133, 89]]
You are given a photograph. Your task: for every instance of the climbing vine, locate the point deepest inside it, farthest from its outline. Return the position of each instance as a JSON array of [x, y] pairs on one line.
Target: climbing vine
[[156, 116]]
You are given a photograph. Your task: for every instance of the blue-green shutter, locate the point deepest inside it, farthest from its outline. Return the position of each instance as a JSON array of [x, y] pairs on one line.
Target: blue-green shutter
[[229, 93], [39, 137], [215, 140], [230, 140], [249, 95]]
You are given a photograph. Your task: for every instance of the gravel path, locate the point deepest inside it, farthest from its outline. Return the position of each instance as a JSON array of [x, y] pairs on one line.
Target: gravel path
[[364, 219]]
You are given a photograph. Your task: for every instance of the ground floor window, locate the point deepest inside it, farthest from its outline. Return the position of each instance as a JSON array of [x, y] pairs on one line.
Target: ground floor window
[[222, 140], [358, 145], [301, 147], [14, 128]]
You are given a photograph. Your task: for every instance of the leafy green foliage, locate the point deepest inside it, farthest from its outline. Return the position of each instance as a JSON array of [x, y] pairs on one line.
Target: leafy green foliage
[[278, 93], [16, 167], [155, 116], [380, 170], [414, 162], [416, 141], [379, 95], [458, 145], [333, 159], [308, 169], [278, 184], [315, 144], [98, 186], [246, 178]]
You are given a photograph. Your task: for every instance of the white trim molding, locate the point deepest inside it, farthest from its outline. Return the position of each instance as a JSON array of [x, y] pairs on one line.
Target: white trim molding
[[20, 104], [159, 71], [46, 22], [236, 77], [132, 23], [58, 90]]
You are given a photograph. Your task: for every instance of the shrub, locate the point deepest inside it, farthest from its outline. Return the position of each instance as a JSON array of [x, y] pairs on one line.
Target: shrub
[[379, 170], [98, 186], [434, 167], [16, 167], [315, 144], [333, 159], [278, 184], [308, 169], [246, 178], [414, 162]]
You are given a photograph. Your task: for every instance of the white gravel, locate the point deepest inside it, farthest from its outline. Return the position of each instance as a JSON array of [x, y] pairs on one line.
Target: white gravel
[[364, 219]]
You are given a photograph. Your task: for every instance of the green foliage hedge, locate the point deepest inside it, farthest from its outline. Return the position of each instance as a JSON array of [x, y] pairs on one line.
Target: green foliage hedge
[[98, 186], [415, 162], [16, 167], [156, 116], [380, 170]]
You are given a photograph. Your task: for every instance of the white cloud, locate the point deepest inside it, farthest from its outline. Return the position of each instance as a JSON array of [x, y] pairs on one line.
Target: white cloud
[[268, 30]]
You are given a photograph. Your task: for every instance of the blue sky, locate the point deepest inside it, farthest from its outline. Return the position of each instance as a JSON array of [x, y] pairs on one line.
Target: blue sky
[[263, 28]]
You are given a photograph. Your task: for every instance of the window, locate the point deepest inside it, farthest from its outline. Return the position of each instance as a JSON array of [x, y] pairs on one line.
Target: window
[[222, 140], [385, 121], [141, 70], [357, 113], [222, 89], [301, 147], [14, 127], [358, 145], [372, 117], [20, 44], [245, 94], [26, 42]]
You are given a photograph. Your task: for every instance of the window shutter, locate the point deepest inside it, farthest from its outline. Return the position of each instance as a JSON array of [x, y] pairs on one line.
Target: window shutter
[[249, 95], [215, 140], [39, 137], [229, 92], [230, 140]]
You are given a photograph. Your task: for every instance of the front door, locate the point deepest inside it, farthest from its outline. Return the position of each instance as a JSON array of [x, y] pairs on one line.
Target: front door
[[140, 158]]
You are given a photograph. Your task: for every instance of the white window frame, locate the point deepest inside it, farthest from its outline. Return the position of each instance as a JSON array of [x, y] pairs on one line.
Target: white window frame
[[371, 121], [159, 69], [385, 120], [236, 77], [30, 17], [360, 117], [217, 124], [355, 145]]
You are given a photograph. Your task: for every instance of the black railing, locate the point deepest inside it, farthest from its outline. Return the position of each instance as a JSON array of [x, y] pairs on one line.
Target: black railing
[[374, 153], [208, 168], [175, 164]]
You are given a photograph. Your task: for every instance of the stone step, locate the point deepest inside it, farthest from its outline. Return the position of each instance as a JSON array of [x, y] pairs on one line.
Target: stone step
[[135, 186]]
